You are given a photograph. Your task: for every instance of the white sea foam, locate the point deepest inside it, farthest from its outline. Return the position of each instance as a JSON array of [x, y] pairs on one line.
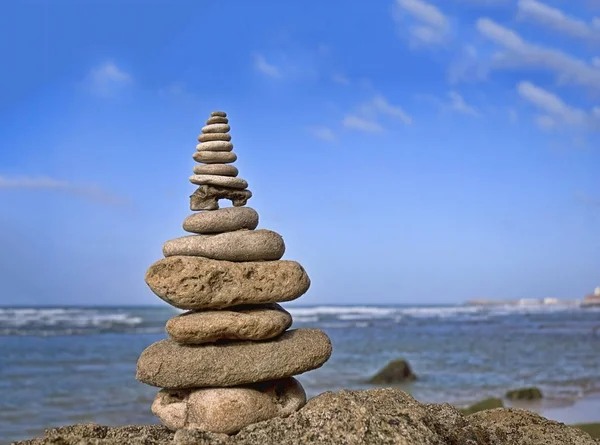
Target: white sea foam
[[65, 318]]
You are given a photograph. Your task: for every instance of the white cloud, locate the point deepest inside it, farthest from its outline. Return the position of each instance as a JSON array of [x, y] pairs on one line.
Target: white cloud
[[323, 133], [90, 192], [341, 79], [556, 19], [432, 26], [520, 53], [382, 106], [556, 111], [596, 22], [596, 62], [261, 65], [513, 115], [457, 103], [358, 123], [108, 80]]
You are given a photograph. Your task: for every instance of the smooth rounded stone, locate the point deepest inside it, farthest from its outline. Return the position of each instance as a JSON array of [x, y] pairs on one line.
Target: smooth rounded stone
[[260, 322], [222, 220], [206, 197], [216, 128], [199, 283], [216, 169], [228, 410], [167, 364], [215, 157], [241, 245], [218, 113], [219, 181], [214, 137], [215, 146], [217, 120]]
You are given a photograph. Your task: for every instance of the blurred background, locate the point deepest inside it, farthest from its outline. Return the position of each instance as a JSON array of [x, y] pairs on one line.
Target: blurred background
[[432, 164]]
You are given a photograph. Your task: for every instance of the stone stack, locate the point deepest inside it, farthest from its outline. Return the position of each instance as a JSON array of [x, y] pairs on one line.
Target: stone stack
[[230, 359]]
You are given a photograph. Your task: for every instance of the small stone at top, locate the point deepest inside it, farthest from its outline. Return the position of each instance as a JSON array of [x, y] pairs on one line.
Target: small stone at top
[[218, 113]]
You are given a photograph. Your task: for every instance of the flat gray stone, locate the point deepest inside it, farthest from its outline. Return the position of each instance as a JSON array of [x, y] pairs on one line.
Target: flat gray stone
[[216, 128], [255, 322], [215, 146], [198, 283], [219, 181], [217, 120], [167, 364], [218, 113], [216, 169], [222, 220], [228, 410], [206, 197], [214, 137], [215, 157], [241, 245]]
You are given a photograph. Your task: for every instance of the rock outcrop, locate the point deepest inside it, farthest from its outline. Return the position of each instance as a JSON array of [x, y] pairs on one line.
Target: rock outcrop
[[373, 417]]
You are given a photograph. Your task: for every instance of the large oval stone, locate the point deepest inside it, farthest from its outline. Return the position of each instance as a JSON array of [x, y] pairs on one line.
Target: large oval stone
[[260, 322], [228, 410], [219, 181], [216, 128], [215, 157], [205, 137], [199, 283], [241, 245], [215, 146], [167, 364], [216, 169]]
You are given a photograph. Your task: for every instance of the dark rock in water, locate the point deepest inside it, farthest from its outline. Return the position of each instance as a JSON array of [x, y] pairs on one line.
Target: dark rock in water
[[490, 403], [532, 393], [397, 371], [375, 417]]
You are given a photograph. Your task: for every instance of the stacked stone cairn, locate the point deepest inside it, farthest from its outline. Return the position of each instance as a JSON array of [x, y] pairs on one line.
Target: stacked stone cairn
[[230, 359]]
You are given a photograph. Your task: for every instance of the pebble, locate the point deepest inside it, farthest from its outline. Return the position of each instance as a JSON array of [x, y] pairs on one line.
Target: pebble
[[241, 245], [222, 220], [217, 120], [214, 137], [206, 197], [198, 283], [256, 322], [218, 113], [219, 181], [215, 157], [216, 128], [167, 364], [216, 169], [215, 146], [228, 410]]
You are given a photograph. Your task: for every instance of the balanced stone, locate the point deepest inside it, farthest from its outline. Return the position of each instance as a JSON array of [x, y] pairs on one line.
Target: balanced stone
[[215, 146], [199, 283], [167, 364], [216, 169], [206, 197], [216, 128], [222, 220], [219, 181], [214, 137], [228, 410], [241, 245], [217, 120], [256, 322], [218, 113], [214, 157]]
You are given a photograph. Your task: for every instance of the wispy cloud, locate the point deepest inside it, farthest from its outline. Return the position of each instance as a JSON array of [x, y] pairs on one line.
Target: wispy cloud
[[519, 53], [341, 79], [264, 67], [458, 104], [431, 26], [556, 19], [596, 62], [108, 80], [556, 111], [379, 105], [359, 123], [513, 115], [87, 191], [322, 133]]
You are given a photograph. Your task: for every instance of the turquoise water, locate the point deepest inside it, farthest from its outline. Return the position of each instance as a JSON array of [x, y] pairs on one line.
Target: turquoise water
[[69, 365]]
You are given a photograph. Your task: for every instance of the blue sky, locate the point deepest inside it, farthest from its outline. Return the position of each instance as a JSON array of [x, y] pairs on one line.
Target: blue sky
[[407, 151]]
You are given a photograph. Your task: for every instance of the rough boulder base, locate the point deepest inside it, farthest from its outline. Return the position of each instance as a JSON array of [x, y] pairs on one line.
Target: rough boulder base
[[206, 197], [222, 220], [228, 410], [374, 417], [167, 364], [241, 245], [260, 322]]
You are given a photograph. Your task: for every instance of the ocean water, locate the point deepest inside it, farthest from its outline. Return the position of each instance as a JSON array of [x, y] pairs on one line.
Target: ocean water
[[70, 365]]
